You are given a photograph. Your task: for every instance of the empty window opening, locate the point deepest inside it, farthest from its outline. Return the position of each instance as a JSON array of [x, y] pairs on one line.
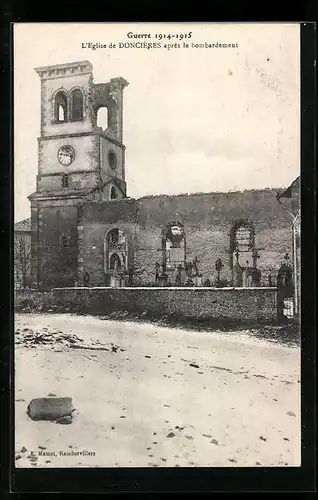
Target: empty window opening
[[77, 104], [116, 239], [61, 107], [102, 117], [173, 246], [244, 256], [242, 243], [61, 114]]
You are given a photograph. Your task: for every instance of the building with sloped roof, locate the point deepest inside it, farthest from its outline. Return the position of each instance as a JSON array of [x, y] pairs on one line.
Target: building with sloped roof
[[290, 201]]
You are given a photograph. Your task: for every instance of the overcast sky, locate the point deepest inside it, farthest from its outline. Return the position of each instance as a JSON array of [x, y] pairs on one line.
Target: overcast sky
[[195, 119]]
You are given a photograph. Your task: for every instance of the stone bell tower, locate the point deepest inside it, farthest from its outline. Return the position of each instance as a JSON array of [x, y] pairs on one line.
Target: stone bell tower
[[78, 162]]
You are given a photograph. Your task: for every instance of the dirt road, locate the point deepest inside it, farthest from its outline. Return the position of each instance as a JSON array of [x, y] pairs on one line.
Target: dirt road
[[152, 396]]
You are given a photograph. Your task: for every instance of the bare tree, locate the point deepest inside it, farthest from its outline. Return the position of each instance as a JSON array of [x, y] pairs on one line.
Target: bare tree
[[22, 257]]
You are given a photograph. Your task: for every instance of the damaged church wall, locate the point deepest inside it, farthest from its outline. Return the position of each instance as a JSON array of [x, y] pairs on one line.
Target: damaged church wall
[[207, 218], [207, 237], [95, 222]]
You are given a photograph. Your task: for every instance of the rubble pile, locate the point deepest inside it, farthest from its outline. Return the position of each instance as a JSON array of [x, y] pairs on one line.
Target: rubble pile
[[58, 340], [31, 338]]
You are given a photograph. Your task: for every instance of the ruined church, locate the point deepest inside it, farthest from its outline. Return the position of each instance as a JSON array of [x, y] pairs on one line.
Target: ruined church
[[86, 231]]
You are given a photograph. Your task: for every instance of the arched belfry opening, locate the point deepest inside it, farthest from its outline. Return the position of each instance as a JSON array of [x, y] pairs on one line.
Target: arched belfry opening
[[102, 117], [60, 107], [77, 105]]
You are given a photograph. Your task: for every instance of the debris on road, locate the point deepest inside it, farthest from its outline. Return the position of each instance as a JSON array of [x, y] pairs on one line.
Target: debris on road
[[171, 435], [101, 385], [30, 338], [57, 340]]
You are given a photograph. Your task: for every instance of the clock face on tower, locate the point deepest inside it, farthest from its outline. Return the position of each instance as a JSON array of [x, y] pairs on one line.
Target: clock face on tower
[[66, 155]]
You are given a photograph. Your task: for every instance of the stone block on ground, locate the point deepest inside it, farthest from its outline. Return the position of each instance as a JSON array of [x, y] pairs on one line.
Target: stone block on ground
[[50, 408]]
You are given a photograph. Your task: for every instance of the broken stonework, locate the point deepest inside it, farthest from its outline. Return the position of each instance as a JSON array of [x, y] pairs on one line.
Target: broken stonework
[[50, 408]]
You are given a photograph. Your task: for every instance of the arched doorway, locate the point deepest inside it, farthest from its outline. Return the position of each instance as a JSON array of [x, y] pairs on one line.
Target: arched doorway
[[115, 257]]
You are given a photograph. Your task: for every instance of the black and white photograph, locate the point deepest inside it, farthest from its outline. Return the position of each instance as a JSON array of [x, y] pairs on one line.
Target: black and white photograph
[[157, 226]]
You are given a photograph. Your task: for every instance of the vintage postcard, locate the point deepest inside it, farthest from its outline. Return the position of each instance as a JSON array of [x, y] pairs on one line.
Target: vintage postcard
[[157, 245]]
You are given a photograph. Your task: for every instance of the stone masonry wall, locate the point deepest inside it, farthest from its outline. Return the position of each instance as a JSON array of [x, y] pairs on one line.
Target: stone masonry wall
[[49, 88], [96, 221], [56, 267], [240, 304]]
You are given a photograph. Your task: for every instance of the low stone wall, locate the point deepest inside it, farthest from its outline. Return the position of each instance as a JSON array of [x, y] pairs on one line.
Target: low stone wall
[[30, 300], [234, 304]]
